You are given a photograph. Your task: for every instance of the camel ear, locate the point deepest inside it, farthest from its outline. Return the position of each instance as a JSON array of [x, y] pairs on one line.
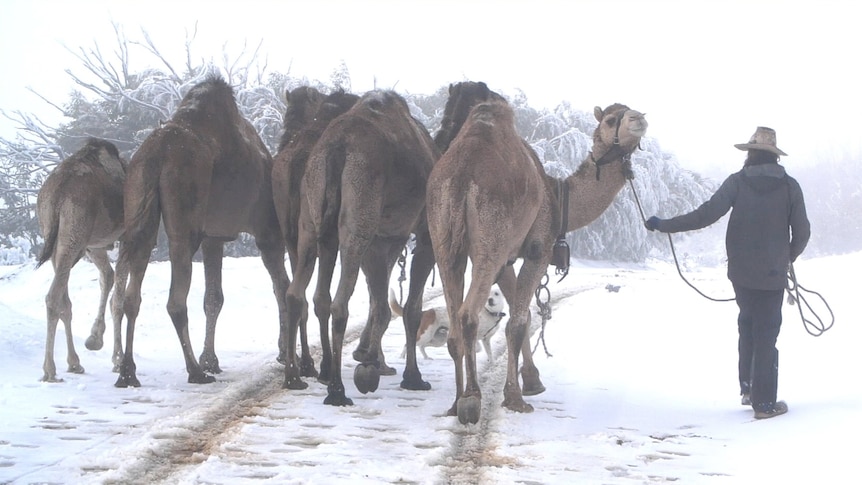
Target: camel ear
[[598, 113]]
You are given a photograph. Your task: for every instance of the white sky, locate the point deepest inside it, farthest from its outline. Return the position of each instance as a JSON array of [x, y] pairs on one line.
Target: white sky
[[705, 72]]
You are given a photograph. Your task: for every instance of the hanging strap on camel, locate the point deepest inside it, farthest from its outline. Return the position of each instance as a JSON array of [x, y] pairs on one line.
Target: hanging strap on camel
[[561, 255]]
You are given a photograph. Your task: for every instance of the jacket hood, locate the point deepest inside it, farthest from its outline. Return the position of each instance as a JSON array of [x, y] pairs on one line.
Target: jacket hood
[[764, 178]]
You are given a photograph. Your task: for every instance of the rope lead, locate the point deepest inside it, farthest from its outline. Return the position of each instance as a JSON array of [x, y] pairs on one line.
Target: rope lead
[[793, 287]]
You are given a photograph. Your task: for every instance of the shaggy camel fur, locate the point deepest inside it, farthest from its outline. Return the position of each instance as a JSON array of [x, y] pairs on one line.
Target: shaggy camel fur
[[307, 116], [363, 194], [207, 174], [80, 209], [489, 200]]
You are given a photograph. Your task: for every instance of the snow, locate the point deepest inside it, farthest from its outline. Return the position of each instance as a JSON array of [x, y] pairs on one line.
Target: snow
[[641, 388]]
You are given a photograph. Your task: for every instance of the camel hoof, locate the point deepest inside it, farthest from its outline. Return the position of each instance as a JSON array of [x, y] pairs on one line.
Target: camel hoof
[[51, 378], [360, 355], [127, 381], [209, 363], [294, 384], [366, 377], [469, 409], [94, 342], [337, 399], [533, 390], [280, 359], [385, 370], [532, 382], [414, 383], [76, 369], [306, 369], [518, 405], [453, 411], [201, 379]]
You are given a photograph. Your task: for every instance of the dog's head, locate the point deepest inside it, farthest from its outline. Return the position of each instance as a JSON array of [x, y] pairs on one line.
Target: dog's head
[[496, 302]]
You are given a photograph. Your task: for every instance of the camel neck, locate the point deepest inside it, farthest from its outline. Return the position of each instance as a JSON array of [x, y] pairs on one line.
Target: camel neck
[[591, 192]]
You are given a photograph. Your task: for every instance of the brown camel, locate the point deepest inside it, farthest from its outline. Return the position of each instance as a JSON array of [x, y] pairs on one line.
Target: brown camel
[[206, 173], [307, 116], [363, 194], [80, 209], [490, 200], [462, 98]]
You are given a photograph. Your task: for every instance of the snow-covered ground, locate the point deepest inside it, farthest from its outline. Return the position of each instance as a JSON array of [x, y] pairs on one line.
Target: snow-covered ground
[[641, 388]]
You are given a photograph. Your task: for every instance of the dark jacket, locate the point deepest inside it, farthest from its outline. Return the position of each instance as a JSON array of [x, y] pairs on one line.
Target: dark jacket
[[768, 227]]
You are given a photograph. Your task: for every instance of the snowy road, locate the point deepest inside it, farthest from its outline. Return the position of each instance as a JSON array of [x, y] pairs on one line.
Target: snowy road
[[640, 390]]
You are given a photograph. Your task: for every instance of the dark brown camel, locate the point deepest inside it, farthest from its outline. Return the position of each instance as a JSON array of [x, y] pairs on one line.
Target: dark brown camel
[[363, 195], [490, 200], [80, 209], [307, 116], [206, 173]]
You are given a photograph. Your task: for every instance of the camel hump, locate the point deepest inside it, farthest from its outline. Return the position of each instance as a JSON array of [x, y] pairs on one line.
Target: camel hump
[[110, 160]]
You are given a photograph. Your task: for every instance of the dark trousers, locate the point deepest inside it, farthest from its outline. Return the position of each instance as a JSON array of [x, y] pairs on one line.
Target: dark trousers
[[759, 323]]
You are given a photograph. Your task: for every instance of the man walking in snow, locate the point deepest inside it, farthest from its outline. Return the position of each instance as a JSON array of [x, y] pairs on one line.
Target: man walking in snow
[[768, 229]]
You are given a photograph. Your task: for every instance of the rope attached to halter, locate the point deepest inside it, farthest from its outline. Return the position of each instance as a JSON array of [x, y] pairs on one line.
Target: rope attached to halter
[[793, 287]]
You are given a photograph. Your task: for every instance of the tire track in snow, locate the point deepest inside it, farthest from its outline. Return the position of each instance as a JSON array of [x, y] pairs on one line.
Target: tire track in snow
[[473, 446], [182, 443]]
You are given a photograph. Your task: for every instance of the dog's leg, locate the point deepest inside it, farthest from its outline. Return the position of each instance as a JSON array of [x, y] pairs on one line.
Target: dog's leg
[[486, 342]]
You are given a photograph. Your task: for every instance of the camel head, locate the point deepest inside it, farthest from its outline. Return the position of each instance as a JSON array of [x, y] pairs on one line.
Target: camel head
[[619, 132], [462, 98], [302, 106]]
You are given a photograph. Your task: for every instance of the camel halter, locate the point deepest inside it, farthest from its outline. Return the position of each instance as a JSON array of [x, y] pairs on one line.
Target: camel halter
[[613, 152]]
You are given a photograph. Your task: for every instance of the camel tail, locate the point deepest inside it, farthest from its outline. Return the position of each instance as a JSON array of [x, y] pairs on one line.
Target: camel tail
[[336, 158], [50, 241], [141, 201]]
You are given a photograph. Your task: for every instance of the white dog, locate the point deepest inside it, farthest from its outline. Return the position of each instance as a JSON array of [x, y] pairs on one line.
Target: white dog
[[434, 325]]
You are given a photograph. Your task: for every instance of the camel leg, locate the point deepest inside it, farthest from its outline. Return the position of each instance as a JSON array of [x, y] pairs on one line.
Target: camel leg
[[137, 256], [452, 277], [327, 254], [377, 265], [271, 248], [350, 257], [295, 306], [181, 277], [99, 256], [213, 254], [508, 283], [120, 278], [516, 330], [421, 266], [468, 407], [529, 372], [59, 307]]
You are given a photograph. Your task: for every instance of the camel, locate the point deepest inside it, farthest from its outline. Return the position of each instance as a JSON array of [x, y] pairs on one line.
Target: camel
[[80, 209], [307, 116], [489, 200], [363, 194], [206, 173]]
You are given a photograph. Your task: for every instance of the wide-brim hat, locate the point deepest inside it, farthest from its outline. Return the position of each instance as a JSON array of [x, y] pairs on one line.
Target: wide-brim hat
[[762, 139]]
